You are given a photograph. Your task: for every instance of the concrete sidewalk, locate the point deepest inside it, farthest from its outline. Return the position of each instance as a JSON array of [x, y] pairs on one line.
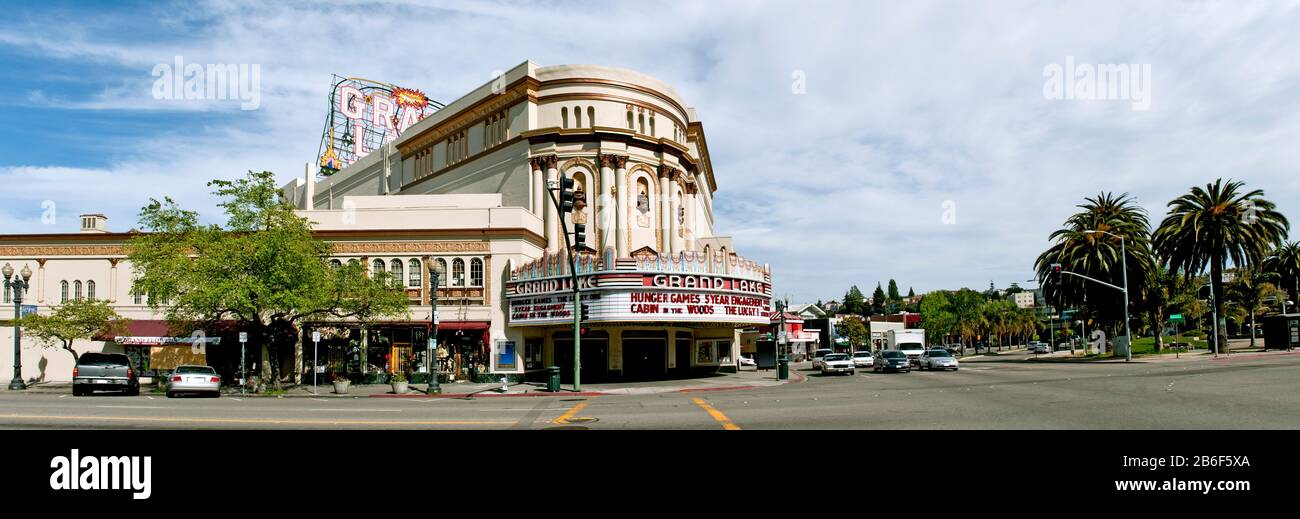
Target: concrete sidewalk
[[745, 379]]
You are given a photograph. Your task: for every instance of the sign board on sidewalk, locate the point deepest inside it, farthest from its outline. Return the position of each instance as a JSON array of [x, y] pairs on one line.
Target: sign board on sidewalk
[[243, 336], [315, 336]]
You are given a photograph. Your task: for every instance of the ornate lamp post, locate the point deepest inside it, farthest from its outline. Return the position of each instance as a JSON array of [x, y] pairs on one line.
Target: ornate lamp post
[[430, 354], [17, 287]]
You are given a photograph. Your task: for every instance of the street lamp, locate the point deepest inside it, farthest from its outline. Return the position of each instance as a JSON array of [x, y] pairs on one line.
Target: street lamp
[[431, 358], [17, 287], [1123, 256]]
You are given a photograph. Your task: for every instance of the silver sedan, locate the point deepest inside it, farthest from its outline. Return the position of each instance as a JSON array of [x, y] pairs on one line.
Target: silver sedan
[[937, 359], [194, 379]]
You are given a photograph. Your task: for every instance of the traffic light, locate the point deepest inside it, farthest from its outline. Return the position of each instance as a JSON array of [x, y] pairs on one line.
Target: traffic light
[[586, 312], [579, 235], [566, 195], [1055, 276]]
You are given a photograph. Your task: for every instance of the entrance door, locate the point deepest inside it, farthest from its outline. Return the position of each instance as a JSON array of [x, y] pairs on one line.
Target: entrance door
[[595, 356], [683, 357], [645, 359]]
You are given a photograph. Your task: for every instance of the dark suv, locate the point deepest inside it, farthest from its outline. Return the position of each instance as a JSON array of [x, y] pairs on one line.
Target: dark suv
[[104, 371]]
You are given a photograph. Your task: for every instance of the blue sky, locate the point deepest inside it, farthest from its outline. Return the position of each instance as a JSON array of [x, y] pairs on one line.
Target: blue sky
[[909, 108]]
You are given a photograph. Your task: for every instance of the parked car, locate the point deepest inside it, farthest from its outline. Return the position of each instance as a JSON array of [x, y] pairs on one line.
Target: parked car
[[837, 363], [747, 361], [863, 359], [194, 379], [892, 360], [1041, 347], [104, 371], [817, 357], [937, 358]]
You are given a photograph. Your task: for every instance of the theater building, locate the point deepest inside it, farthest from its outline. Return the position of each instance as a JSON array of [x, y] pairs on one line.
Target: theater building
[[465, 189]]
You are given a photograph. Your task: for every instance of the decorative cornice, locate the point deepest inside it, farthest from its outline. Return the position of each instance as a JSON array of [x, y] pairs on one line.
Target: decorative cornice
[[63, 250], [411, 247], [524, 89]]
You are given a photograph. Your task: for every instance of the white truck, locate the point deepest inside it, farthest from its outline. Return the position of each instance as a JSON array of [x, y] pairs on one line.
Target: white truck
[[910, 341]]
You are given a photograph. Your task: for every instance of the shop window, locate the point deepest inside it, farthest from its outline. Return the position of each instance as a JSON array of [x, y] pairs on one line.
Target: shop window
[[476, 272], [415, 271], [458, 272]]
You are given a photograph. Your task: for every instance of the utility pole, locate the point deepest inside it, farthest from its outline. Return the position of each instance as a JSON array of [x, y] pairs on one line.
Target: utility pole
[[564, 205]]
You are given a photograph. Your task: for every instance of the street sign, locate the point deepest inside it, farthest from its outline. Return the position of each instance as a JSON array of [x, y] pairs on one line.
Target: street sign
[[26, 310], [1176, 318], [435, 318], [243, 336], [315, 336]]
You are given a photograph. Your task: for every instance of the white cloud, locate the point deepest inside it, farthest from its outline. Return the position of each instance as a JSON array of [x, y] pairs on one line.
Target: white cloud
[[907, 105]]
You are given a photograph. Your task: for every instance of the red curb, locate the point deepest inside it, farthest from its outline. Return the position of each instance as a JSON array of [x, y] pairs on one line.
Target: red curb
[[1224, 357], [497, 395]]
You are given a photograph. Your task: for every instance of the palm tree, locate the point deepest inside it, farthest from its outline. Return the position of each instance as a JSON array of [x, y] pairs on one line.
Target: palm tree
[[1251, 290], [1284, 262], [1081, 247], [1213, 225]]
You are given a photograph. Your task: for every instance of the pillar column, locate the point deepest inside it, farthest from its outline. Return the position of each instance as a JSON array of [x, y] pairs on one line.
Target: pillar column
[[553, 239], [606, 212], [691, 207], [674, 224], [665, 211], [112, 280], [536, 183], [622, 226], [40, 280]]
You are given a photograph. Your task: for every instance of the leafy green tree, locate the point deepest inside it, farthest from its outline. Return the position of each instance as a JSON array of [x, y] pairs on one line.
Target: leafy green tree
[[265, 269], [878, 300], [1284, 262], [893, 294], [1097, 255], [75, 320], [1215, 224], [1164, 289], [855, 331], [853, 300], [937, 317]]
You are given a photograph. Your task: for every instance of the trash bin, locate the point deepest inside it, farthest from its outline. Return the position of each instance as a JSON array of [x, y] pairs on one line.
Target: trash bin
[[783, 368], [553, 381]]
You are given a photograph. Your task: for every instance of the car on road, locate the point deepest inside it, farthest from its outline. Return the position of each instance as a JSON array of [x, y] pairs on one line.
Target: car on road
[[863, 359], [747, 361], [194, 379], [106, 372], [818, 355], [937, 358], [1040, 347], [892, 360], [837, 363]]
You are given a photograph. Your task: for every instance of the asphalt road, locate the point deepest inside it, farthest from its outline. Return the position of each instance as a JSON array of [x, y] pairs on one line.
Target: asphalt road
[[1003, 392]]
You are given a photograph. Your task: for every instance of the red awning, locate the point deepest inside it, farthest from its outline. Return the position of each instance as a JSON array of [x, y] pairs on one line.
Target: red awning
[[140, 328], [464, 325]]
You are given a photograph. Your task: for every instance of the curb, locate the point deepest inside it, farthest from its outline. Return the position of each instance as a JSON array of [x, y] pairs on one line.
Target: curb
[[493, 395]]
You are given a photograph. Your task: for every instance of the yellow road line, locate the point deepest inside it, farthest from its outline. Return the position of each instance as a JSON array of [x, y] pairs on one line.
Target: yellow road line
[[564, 418], [716, 414], [259, 420]]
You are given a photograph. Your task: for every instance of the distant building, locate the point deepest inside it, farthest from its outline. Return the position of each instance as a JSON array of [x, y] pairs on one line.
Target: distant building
[[1022, 299]]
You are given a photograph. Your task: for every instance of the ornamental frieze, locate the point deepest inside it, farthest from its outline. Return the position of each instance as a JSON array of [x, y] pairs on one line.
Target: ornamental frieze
[[62, 250], [410, 247]]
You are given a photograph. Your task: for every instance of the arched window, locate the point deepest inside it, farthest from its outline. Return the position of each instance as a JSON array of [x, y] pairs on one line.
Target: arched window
[[564, 117], [652, 124], [90, 290], [377, 268], [458, 272], [64, 298], [7, 298], [629, 119], [416, 274], [577, 117], [441, 266], [476, 272], [336, 263], [76, 290], [641, 123], [591, 117], [137, 296], [398, 275]]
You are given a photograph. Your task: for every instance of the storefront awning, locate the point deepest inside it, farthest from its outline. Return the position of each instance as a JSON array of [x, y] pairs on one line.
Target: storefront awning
[[154, 333]]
